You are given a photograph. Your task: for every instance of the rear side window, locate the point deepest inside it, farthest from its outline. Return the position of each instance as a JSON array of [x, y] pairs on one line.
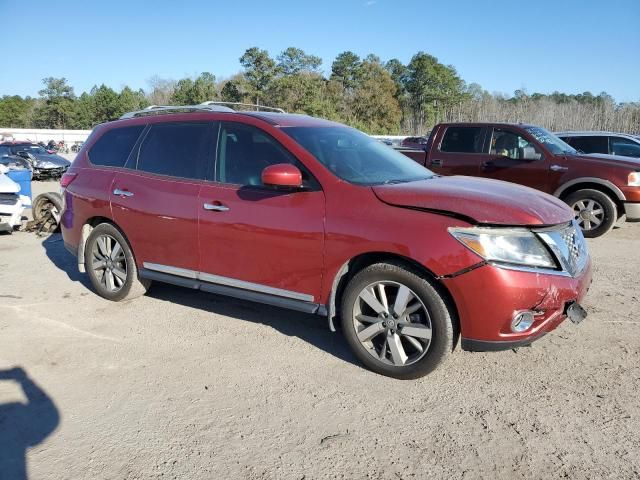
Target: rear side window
[[182, 150], [113, 148], [463, 140], [590, 144]]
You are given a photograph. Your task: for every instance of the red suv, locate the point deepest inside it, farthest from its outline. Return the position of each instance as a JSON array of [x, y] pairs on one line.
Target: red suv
[[311, 215]]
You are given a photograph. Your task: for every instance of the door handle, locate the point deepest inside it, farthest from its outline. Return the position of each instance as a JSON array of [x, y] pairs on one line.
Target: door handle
[[122, 193], [437, 162], [216, 207], [558, 168]]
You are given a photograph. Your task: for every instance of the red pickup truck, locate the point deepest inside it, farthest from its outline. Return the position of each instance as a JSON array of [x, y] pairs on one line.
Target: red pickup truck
[[600, 188]]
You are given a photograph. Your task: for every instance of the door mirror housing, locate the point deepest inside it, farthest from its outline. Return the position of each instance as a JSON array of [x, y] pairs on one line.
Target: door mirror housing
[[529, 154], [282, 175]]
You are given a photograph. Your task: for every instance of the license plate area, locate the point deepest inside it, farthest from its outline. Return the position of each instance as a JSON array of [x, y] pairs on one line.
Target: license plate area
[[575, 312]]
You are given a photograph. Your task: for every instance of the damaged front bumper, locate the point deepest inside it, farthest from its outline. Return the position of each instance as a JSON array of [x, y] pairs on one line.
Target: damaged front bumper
[[488, 299], [11, 210]]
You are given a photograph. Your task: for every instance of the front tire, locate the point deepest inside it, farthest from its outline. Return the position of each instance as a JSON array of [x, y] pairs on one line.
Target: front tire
[[396, 322], [595, 212], [111, 266]]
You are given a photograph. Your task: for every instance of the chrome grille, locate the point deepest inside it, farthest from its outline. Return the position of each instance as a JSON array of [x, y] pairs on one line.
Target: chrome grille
[[569, 246]]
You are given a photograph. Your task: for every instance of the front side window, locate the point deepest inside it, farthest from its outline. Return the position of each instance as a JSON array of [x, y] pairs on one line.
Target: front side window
[[463, 140], [113, 148], [625, 147], [506, 143], [244, 151], [355, 157], [183, 150]]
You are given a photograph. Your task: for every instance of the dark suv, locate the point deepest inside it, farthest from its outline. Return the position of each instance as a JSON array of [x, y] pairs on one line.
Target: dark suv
[[608, 143], [311, 215]]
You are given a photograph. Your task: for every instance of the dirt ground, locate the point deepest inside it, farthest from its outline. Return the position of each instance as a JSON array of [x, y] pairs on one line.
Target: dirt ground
[[180, 384]]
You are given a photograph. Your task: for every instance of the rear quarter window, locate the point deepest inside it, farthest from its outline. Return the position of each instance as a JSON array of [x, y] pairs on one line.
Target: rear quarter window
[[113, 148], [463, 140]]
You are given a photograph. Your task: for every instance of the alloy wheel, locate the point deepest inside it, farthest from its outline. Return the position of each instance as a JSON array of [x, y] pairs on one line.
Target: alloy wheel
[[109, 263], [589, 214], [392, 323]]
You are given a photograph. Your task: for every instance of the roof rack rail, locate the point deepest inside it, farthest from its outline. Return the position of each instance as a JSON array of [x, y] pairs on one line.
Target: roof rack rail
[[240, 104], [210, 106]]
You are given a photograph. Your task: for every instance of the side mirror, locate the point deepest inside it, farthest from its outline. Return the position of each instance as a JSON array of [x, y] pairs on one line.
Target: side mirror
[[282, 175], [529, 154]]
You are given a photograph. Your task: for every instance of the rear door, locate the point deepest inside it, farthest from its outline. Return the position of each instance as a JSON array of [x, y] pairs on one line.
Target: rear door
[[255, 237], [156, 202], [459, 151], [509, 159]]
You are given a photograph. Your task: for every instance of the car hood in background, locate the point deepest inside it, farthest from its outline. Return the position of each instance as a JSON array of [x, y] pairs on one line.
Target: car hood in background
[[613, 160], [483, 200], [51, 161]]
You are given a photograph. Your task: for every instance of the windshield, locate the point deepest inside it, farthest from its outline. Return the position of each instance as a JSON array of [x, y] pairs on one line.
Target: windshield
[[35, 149], [549, 140], [355, 157]]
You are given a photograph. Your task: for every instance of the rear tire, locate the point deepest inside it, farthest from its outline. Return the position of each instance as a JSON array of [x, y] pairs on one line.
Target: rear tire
[[111, 266], [405, 331], [595, 212]]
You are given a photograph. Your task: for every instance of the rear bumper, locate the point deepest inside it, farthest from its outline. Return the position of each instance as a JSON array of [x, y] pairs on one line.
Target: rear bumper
[[632, 209], [489, 297]]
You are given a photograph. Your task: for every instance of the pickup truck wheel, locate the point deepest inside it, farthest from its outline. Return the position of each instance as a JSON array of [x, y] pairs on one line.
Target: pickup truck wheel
[[110, 264], [595, 212], [396, 322]]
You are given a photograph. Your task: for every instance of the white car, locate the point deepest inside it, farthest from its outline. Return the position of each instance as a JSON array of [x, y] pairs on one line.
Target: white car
[[12, 204]]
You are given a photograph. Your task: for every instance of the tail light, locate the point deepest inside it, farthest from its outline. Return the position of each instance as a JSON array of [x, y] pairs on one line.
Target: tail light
[[66, 179]]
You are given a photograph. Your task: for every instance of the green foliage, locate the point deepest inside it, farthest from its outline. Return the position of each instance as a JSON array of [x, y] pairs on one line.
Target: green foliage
[[16, 112], [294, 61], [57, 107], [431, 87], [259, 70], [192, 92], [346, 69]]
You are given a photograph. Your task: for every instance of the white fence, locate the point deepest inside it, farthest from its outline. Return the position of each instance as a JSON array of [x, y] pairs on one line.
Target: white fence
[[43, 135]]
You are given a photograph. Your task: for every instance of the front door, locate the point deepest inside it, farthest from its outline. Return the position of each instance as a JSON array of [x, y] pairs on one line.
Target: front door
[[514, 158], [254, 237]]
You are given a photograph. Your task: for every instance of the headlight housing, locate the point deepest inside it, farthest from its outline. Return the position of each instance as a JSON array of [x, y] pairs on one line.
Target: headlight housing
[[506, 246], [634, 179]]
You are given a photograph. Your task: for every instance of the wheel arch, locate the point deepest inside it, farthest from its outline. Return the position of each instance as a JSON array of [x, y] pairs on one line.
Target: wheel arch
[[354, 265], [88, 226], [593, 183]]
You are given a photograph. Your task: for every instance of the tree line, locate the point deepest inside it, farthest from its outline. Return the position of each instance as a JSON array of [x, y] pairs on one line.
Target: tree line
[[379, 97]]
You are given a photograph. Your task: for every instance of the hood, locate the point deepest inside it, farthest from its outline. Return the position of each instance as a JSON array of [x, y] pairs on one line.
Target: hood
[[481, 200], [51, 161], [612, 160]]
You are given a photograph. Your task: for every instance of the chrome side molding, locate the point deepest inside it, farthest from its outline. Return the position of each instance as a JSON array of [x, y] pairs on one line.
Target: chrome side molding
[[229, 282]]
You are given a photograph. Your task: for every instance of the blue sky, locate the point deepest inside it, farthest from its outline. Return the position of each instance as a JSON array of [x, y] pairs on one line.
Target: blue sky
[[545, 45]]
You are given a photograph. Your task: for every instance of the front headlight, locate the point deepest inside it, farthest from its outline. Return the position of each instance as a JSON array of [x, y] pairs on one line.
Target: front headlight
[[509, 246], [634, 179]]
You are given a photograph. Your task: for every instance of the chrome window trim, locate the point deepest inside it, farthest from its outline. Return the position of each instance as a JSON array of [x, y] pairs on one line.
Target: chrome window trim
[[230, 282]]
